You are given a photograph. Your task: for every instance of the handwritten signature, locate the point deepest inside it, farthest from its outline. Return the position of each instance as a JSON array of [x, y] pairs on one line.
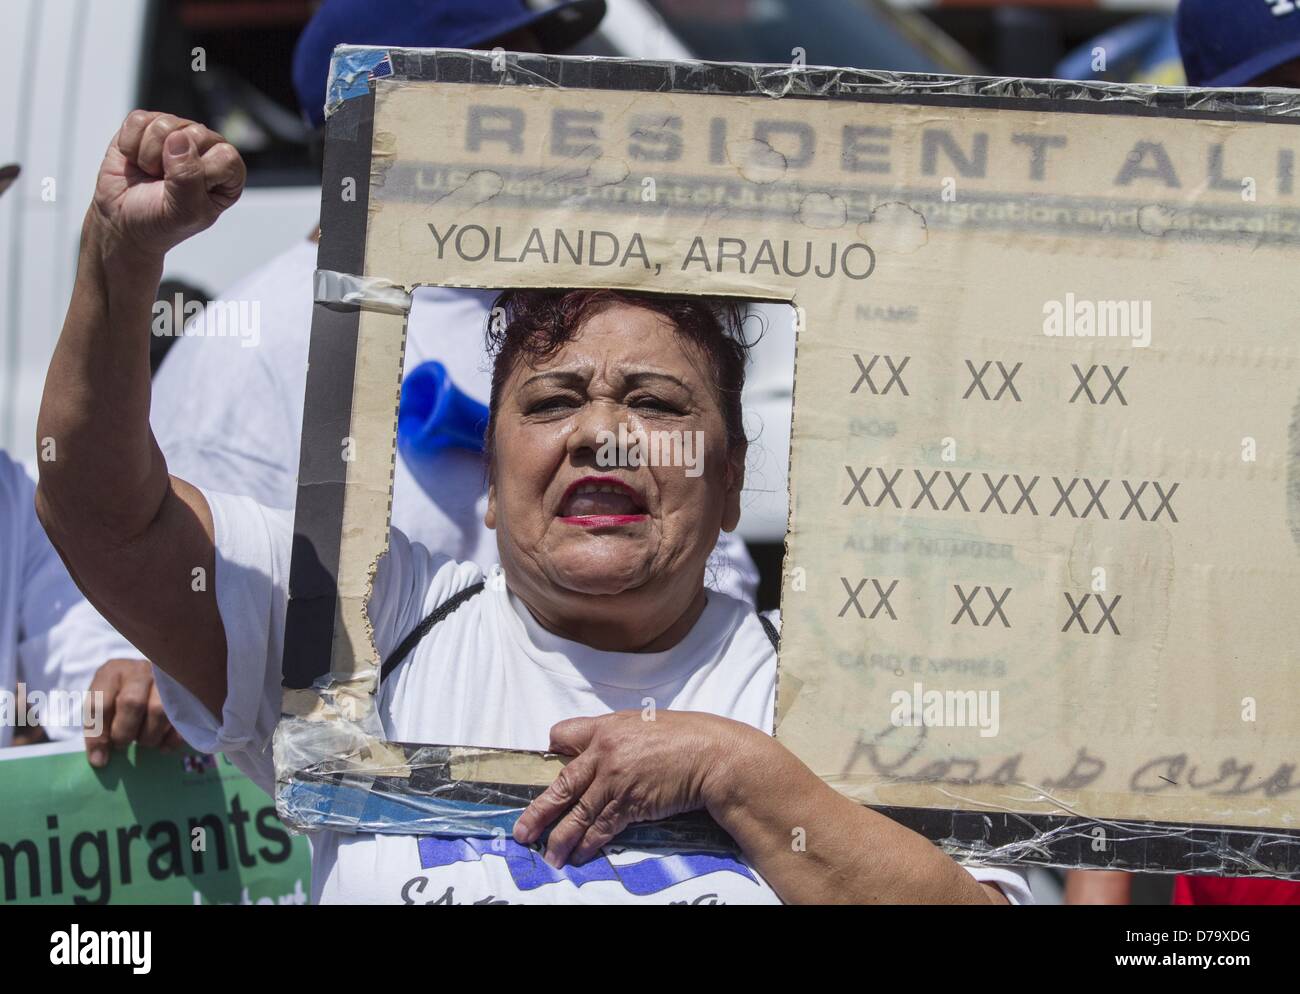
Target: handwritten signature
[[1172, 772]]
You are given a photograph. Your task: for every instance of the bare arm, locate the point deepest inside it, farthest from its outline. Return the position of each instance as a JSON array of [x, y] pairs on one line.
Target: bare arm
[[132, 536], [1098, 887], [812, 844]]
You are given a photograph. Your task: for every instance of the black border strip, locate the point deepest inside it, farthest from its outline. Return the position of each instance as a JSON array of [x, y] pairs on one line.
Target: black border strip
[[818, 83], [1068, 840], [327, 407]]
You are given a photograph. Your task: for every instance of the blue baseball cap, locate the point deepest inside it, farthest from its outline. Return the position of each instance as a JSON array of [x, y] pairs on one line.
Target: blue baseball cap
[[1231, 42], [426, 24]]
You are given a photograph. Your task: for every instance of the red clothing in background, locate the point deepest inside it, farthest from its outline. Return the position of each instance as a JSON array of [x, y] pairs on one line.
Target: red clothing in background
[[1235, 890]]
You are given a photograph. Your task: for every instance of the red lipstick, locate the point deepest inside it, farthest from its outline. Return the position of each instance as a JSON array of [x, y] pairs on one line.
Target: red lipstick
[[594, 502]]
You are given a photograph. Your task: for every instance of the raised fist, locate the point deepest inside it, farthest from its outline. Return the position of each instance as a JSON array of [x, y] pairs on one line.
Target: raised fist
[[164, 179]]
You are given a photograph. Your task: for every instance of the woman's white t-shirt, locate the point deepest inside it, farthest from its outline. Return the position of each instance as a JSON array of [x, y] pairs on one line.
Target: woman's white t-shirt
[[488, 674]]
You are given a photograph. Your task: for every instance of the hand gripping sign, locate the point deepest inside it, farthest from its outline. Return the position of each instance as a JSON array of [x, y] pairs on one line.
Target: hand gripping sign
[[1042, 560]]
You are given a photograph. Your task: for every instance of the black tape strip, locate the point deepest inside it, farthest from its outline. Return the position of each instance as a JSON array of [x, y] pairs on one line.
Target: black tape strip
[[1151, 846], [327, 411], [814, 84]]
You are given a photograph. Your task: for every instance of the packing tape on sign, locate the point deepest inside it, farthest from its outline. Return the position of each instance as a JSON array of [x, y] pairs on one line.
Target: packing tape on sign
[[370, 293], [358, 70], [435, 798], [351, 73]]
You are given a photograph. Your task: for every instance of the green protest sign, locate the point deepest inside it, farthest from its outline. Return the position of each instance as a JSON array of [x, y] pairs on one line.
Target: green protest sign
[[150, 828]]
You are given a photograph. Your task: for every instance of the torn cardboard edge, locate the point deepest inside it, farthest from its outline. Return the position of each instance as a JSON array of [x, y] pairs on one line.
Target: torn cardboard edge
[[342, 775]]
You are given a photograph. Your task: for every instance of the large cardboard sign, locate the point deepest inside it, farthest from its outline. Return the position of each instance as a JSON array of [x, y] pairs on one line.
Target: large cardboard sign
[[1042, 560]]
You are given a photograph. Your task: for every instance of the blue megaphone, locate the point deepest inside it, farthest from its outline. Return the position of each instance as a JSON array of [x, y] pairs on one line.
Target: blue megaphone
[[433, 415]]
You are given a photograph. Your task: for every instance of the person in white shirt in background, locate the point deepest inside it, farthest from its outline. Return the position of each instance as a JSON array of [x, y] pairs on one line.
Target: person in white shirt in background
[[52, 642], [54, 645], [603, 606], [228, 414]]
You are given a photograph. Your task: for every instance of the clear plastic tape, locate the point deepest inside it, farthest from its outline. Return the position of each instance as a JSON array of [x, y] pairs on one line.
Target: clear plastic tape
[[350, 72], [372, 293], [422, 795], [354, 742], [1244, 853], [354, 66], [1132, 846]]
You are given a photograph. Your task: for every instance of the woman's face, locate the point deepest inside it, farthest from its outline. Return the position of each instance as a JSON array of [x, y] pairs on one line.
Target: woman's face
[[573, 516]]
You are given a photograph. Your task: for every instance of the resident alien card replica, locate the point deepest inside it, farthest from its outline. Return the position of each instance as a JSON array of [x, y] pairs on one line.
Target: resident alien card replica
[[1041, 581]]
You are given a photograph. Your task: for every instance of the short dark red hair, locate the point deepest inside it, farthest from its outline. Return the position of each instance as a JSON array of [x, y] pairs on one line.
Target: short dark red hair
[[532, 325]]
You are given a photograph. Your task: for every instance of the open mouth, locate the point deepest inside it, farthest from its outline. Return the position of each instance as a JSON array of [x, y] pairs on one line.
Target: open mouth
[[601, 500]]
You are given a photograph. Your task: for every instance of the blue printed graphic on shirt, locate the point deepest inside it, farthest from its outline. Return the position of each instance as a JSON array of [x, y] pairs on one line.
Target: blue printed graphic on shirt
[[529, 871]]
